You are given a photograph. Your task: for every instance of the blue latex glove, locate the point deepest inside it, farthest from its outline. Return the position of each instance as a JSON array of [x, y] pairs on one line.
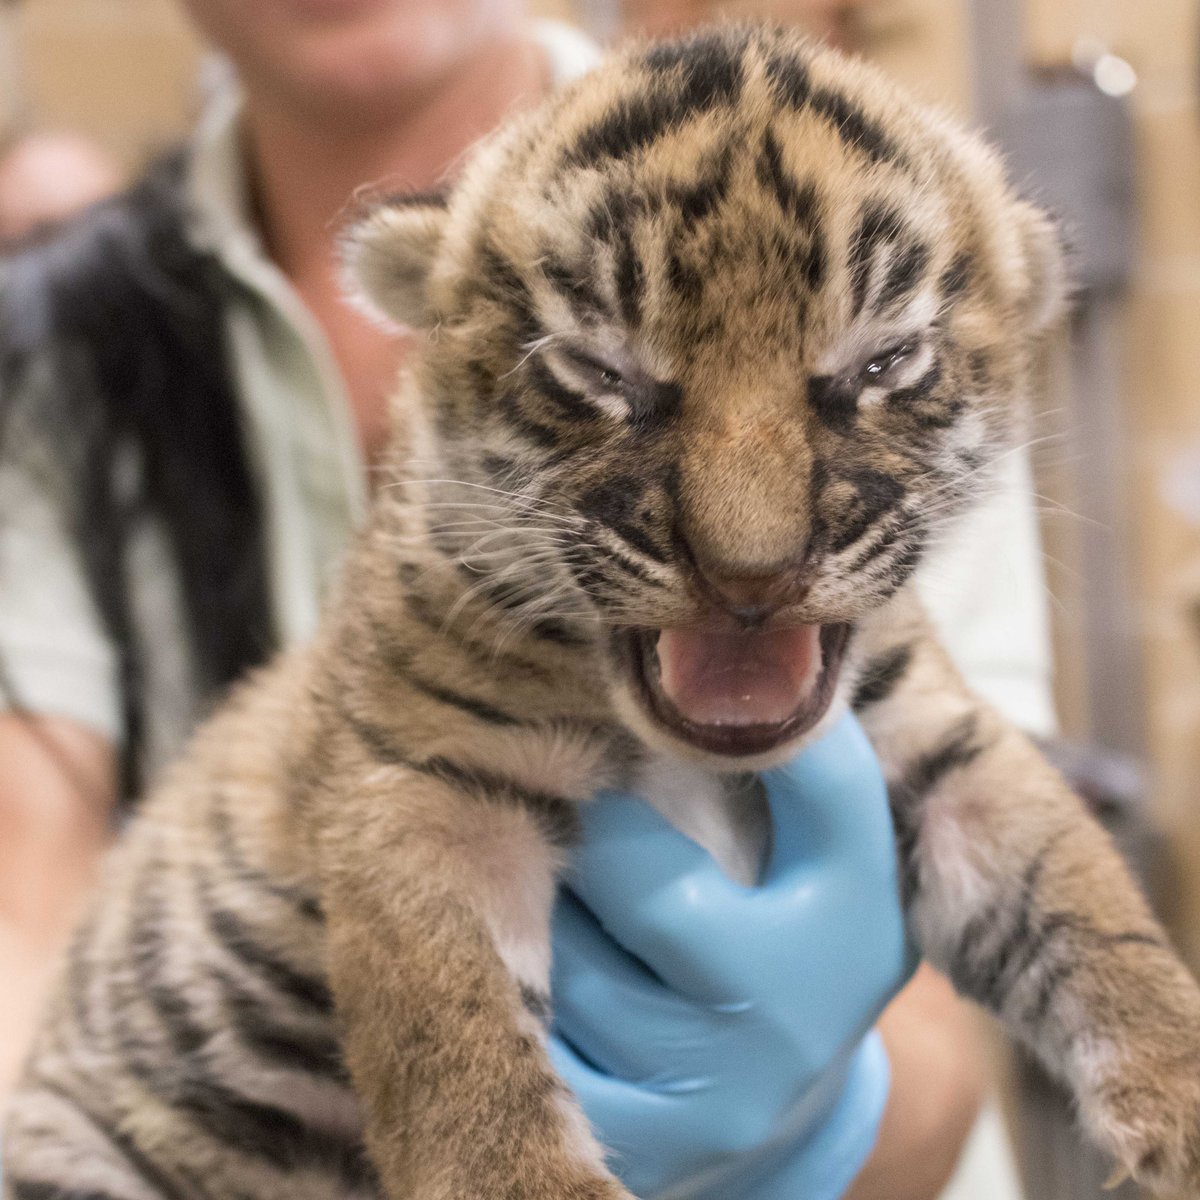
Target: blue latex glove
[[740, 1062]]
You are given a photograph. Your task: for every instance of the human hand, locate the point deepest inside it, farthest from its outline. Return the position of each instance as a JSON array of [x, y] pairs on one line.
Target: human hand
[[716, 1034]]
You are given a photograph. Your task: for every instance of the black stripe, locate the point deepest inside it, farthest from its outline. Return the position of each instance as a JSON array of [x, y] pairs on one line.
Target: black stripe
[[631, 567], [906, 796], [419, 608], [569, 405], [148, 954], [479, 709], [399, 660], [614, 212], [555, 815], [709, 58], [234, 864], [879, 224], [33, 1189], [957, 276], [799, 203], [876, 495], [683, 278], [264, 1035], [908, 397], [377, 741], [132, 1157], [697, 200], [574, 286], [537, 1004], [504, 282], [789, 79], [855, 128], [630, 279], [548, 629], [655, 405], [887, 538], [906, 820], [881, 677], [509, 407], [514, 597], [979, 366], [904, 275], [987, 951], [1055, 978], [614, 504], [184, 1080], [689, 79], [587, 573], [272, 1134], [635, 537], [957, 748], [631, 126], [241, 944], [1028, 943], [811, 260]]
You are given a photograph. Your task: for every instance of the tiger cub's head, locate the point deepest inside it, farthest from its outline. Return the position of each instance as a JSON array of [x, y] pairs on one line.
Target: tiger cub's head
[[718, 340]]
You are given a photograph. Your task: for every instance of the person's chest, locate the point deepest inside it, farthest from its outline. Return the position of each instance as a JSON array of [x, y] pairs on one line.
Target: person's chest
[[368, 359]]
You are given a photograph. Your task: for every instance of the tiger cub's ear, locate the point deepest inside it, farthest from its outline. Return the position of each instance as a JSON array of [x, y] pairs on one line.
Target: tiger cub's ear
[[388, 255], [1046, 288]]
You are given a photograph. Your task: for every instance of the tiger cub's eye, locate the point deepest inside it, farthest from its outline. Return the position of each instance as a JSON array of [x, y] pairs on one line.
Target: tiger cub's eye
[[599, 374], [879, 367]]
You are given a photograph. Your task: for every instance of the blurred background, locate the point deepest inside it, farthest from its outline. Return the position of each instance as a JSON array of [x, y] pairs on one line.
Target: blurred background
[[1096, 104]]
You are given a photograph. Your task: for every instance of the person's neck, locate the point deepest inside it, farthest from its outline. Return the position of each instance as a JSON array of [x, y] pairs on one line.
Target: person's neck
[[308, 166], [307, 170]]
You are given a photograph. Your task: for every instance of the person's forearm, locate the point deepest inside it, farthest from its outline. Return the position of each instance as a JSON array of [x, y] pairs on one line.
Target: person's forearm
[[938, 1082], [56, 790], [26, 973]]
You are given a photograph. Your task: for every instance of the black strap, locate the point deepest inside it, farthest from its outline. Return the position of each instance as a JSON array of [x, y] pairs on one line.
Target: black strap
[[127, 318]]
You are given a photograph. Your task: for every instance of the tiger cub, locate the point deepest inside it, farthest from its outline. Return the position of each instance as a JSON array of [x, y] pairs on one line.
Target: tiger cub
[[718, 341]]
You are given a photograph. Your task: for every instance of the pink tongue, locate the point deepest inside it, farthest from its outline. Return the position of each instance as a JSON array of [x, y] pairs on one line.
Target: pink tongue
[[719, 678]]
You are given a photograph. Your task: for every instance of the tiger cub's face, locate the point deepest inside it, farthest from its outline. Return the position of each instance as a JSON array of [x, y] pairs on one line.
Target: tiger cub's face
[[719, 340]]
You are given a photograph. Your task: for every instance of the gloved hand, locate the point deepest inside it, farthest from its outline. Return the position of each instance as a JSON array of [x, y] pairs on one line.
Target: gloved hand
[[715, 1035]]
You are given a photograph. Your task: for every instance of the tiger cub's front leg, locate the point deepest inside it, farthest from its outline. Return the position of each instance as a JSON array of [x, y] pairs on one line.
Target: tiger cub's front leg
[[1020, 897], [438, 907]]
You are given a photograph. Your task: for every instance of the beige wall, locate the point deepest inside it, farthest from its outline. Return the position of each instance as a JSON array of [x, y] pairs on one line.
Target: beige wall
[[121, 70]]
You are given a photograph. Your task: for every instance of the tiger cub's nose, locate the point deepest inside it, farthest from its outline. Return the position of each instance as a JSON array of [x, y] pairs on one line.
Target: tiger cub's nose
[[752, 598]]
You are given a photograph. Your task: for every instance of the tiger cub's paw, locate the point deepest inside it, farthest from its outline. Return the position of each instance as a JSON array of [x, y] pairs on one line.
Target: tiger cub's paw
[[1149, 1120]]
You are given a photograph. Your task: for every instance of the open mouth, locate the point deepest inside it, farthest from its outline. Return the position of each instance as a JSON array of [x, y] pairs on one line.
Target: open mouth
[[735, 692]]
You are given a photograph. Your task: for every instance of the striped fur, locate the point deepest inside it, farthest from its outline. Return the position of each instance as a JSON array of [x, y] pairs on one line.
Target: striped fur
[[730, 308]]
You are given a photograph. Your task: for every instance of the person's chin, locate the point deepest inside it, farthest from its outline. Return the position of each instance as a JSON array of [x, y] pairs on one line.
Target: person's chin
[[334, 10], [368, 66]]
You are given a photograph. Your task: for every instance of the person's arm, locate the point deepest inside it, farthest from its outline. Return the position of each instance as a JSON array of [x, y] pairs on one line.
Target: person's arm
[[939, 1079], [59, 716], [57, 787]]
